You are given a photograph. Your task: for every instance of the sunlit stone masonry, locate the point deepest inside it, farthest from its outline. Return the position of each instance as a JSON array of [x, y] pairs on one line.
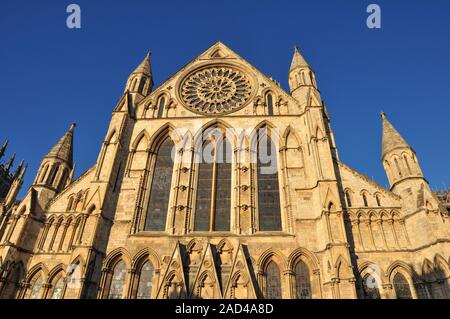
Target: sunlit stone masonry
[[220, 184]]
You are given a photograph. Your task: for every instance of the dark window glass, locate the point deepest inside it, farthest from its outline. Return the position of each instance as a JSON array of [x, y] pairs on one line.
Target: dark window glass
[[273, 281], [162, 102], [378, 200], [160, 189], [401, 287], [35, 292], [145, 281], [365, 200], [268, 191], [141, 85], [270, 104], [117, 281], [370, 287], [302, 281], [204, 188], [223, 187], [349, 200], [214, 178], [58, 289]]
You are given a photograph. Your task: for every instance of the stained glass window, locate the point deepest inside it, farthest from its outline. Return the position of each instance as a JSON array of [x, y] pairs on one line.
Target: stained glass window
[[223, 187], [117, 281], [160, 189], [145, 281], [401, 287], [58, 289], [302, 281], [268, 191], [35, 292], [214, 187], [204, 187], [370, 287], [273, 281]]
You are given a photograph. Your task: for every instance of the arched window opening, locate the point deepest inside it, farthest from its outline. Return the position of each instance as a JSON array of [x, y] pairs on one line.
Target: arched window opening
[[302, 281], [268, 184], [407, 164], [304, 78], [161, 105], [141, 85], [70, 204], [57, 292], [398, 167], [213, 202], [145, 284], [378, 199], [370, 287], [53, 174], [62, 181], [348, 199], [160, 188], [117, 281], [273, 281], [35, 291], [44, 173], [364, 196], [269, 101], [401, 287]]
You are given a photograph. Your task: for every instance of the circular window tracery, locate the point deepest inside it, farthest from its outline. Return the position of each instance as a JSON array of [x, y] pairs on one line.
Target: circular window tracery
[[216, 90]]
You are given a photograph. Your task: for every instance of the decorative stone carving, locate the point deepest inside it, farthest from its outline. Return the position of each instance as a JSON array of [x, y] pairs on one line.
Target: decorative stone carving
[[215, 90]]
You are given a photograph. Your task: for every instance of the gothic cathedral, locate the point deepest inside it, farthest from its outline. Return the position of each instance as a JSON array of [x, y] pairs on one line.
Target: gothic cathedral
[[220, 184]]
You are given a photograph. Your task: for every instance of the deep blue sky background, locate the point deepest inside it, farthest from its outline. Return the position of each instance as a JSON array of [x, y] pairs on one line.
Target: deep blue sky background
[[51, 76]]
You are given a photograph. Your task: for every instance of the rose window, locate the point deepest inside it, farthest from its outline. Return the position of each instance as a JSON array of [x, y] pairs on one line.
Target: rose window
[[216, 90]]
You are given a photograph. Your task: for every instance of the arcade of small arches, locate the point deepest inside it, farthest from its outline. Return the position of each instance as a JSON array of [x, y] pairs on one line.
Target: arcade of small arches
[[162, 105], [379, 229], [277, 277]]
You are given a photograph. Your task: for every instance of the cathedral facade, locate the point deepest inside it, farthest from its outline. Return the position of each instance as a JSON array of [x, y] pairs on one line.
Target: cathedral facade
[[220, 184]]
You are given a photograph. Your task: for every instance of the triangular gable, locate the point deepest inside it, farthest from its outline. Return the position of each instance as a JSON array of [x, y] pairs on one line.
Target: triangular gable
[[207, 271], [173, 283], [240, 279], [221, 52]]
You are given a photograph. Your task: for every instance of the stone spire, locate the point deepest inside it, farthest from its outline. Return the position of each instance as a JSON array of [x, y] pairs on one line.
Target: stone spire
[[10, 162], [18, 169], [297, 60], [391, 138], [3, 148], [145, 66], [141, 79], [63, 150]]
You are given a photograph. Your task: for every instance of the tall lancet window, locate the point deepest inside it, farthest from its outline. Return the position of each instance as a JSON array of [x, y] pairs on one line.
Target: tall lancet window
[[269, 101], [160, 188], [401, 287], [161, 105], [302, 281], [145, 284], [273, 281], [117, 284], [267, 181], [142, 84], [213, 202]]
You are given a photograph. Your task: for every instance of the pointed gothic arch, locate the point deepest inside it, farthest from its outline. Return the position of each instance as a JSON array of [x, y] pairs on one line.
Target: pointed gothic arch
[[265, 159], [214, 160]]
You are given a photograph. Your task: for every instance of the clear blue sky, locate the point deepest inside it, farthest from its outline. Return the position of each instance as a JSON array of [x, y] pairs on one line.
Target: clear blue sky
[[51, 76]]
